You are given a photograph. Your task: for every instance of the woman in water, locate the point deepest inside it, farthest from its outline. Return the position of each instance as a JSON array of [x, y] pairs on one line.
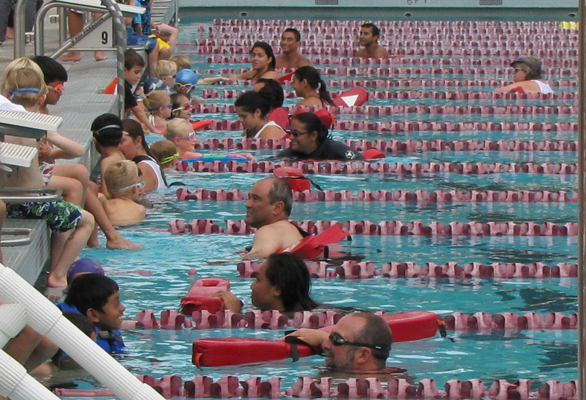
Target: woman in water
[[282, 283], [252, 111], [263, 63], [134, 147], [308, 84], [527, 77]]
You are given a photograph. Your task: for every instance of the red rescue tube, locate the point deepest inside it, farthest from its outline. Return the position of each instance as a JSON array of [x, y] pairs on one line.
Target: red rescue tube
[[200, 124], [215, 352], [313, 245], [286, 78], [296, 178], [198, 298], [353, 97]]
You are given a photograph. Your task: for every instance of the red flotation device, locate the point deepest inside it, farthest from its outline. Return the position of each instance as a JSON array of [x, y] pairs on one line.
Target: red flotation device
[[215, 352], [198, 298], [372, 154], [295, 176], [200, 124], [354, 97], [518, 89], [313, 245], [286, 78]]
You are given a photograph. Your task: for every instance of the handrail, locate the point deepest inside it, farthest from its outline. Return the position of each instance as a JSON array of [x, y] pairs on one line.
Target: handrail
[[26, 240], [21, 195]]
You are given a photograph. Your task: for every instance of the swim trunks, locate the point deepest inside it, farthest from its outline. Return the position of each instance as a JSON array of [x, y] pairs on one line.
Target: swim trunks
[[60, 215]]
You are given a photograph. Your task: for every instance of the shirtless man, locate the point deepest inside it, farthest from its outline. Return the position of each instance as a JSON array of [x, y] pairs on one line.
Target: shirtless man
[[291, 59], [359, 343], [267, 209], [369, 34]]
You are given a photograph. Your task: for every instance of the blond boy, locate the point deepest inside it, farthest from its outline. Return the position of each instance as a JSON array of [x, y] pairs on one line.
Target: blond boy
[[126, 188]]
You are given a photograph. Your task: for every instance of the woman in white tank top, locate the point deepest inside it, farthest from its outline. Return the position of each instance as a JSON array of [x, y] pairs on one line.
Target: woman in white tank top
[[252, 111], [527, 77]]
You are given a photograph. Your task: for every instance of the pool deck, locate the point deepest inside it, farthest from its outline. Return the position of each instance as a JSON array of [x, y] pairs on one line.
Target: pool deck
[[80, 104]]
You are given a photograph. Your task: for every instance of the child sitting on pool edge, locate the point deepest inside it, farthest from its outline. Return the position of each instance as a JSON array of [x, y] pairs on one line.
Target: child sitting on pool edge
[[98, 298], [126, 188]]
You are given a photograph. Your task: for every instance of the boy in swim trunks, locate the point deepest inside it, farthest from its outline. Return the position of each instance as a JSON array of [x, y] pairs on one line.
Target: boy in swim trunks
[[126, 188], [70, 224]]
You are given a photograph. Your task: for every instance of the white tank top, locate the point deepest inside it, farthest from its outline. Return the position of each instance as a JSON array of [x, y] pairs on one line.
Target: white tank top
[[543, 86], [270, 123], [157, 170]]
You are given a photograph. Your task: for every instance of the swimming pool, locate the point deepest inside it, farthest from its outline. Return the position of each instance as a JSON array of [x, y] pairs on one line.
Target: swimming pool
[[538, 355]]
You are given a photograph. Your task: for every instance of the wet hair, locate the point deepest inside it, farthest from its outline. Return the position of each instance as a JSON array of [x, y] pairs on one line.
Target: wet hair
[[164, 150], [164, 68], [176, 127], [120, 174], [19, 63], [281, 191], [134, 130], [290, 274], [132, 59], [29, 81], [52, 70], [90, 291], [375, 332], [311, 123], [268, 51], [272, 92], [155, 100], [375, 30], [181, 61], [295, 32], [107, 130], [315, 82], [251, 101]]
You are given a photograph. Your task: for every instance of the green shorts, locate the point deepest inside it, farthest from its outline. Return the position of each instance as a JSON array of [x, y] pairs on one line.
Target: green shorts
[[60, 215]]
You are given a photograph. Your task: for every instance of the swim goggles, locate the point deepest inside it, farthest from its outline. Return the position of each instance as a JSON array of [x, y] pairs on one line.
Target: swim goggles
[[138, 184], [99, 131], [156, 108], [189, 136], [58, 88], [167, 160], [186, 107], [184, 85], [169, 76], [338, 340], [13, 93]]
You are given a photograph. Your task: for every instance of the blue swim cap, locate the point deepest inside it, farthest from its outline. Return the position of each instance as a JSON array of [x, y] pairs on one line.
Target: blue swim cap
[[186, 75], [152, 84]]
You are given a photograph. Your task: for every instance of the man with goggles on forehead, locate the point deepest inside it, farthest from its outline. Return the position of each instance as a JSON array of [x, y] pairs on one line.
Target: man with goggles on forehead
[[359, 343]]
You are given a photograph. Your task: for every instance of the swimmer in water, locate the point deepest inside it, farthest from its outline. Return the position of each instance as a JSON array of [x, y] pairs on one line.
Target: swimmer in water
[[263, 63]]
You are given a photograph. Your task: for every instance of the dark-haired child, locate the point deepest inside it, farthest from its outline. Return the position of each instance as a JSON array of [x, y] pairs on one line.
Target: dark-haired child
[[107, 132]]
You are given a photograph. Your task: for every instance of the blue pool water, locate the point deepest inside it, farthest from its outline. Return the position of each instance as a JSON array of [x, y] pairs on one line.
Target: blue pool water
[[536, 355]]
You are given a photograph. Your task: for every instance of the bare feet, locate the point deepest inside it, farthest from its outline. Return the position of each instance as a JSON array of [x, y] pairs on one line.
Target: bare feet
[[55, 282], [55, 294], [9, 33], [71, 56], [122, 244], [100, 56]]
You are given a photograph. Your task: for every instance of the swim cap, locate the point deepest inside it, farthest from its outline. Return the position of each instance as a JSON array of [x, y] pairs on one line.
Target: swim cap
[[186, 75], [152, 84], [86, 265], [532, 62]]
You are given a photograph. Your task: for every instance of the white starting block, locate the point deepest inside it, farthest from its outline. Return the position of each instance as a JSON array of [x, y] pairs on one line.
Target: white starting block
[[17, 154], [27, 124]]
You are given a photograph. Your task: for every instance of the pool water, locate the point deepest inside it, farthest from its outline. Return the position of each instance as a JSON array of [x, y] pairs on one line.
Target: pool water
[[536, 355]]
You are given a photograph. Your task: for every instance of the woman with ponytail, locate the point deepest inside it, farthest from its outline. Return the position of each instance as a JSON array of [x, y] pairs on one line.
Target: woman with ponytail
[[308, 84]]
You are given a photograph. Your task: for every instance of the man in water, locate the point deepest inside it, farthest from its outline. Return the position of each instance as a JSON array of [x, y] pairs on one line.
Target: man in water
[[291, 59], [369, 34], [267, 209], [359, 343]]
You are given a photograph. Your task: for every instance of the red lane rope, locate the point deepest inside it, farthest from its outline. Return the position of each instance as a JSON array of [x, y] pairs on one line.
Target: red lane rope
[[352, 168], [419, 196], [394, 269], [404, 146], [388, 228], [172, 386], [272, 319]]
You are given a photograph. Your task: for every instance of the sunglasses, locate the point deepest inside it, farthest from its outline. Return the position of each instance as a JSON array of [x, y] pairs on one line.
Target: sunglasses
[[296, 133], [138, 184], [184, 85], [59, 88], [338, 340], [186, 107]]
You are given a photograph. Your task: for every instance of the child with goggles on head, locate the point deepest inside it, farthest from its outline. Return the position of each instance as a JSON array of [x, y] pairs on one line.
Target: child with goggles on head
[[126, 188]]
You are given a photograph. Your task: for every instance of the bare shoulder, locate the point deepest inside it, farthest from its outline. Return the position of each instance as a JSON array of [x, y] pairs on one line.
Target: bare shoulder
[[381, 52], [270, 75], [361, 53]]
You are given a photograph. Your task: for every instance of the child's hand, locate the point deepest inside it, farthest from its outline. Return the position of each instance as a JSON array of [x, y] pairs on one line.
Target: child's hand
[[45, 149]]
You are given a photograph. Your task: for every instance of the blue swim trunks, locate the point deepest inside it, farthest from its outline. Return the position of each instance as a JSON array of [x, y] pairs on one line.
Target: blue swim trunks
[[132, 39], [60, 215]]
